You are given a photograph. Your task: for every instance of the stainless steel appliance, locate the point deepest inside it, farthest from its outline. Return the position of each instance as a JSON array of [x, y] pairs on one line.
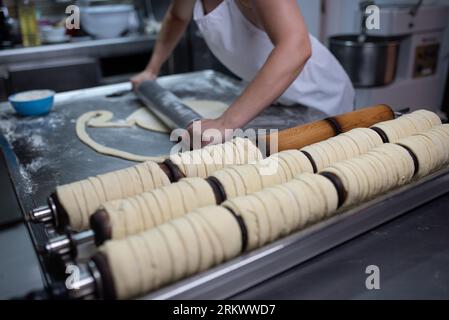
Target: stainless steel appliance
[[421, 72], [371, 62]]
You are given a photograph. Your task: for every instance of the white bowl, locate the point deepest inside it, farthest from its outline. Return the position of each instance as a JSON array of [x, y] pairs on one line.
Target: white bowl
[[52, 34], [106, 21]]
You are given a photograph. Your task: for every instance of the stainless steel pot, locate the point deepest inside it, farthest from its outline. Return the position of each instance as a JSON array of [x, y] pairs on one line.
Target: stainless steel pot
[[369, 63]]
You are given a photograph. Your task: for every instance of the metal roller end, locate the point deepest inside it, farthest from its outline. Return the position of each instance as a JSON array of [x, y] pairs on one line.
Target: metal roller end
[[85, 282], [67, 244], [401, 112], [59, 245], [41, 215], [82, 283], [45, 214]]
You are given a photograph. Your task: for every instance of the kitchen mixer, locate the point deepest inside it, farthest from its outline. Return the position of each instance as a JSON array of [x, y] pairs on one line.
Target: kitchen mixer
[[422, 60], [419, 70]]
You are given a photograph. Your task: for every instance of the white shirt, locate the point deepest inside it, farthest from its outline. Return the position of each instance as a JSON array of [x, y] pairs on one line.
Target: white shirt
[[244, 48]]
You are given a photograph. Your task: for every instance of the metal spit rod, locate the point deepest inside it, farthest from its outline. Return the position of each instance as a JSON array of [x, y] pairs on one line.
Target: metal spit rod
[[85, 284], [45, 214], [64, 244]]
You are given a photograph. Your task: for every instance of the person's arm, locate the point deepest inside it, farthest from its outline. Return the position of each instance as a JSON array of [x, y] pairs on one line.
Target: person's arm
[[284, 24], [173, 27]]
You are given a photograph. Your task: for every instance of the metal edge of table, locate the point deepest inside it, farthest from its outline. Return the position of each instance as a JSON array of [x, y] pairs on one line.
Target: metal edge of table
[[36, 232], [230, 278]]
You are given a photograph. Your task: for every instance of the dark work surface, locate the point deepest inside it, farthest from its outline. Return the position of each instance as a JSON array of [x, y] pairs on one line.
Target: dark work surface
[[44, 152], [9, 209], [49, 152], [19, 267], [412, 253]]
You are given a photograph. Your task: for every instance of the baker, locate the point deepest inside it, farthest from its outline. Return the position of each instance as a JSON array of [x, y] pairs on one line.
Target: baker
[[267, 44]]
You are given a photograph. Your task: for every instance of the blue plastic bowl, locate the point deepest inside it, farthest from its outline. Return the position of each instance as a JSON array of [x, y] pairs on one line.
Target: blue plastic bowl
[[33, 107]]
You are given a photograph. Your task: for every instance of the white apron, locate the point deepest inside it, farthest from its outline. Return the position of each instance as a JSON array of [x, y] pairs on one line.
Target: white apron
[[244, 48]]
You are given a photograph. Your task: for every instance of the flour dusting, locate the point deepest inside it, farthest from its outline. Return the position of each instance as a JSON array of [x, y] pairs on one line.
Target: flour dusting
[[207, 81], [36, 165], [31, 129], [28, 134], [29, 186]]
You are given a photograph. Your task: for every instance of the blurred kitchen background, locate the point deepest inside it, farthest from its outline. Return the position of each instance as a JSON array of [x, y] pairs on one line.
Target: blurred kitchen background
[[404, 64]]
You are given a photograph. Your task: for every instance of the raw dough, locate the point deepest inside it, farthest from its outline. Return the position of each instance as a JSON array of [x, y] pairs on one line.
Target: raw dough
[[144, 211], [208, 109], [172, 251], [104, 116], [361, 180], [211, 235], [235, 152], [80, 199], [136, 214], [361, 140], [142, 118], [409, 124]]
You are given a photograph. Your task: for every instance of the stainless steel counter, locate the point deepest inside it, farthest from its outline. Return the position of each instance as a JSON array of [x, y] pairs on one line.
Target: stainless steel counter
[[76, 65]]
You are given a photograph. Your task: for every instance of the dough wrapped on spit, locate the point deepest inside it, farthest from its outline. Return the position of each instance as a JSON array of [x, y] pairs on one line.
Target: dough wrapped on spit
[[147, 210], [144, 211], [393, 165], [81, 199], [172, 251], [203, 162], [211, 235], [408, 124], [358, 141]]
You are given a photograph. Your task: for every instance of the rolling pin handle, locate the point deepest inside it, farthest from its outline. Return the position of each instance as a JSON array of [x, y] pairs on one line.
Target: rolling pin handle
[[401, 112], [192, 121], [101, 226], [172, 170]]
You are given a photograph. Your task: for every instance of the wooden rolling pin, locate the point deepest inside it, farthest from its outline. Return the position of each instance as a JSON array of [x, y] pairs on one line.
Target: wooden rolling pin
[[313, 132]]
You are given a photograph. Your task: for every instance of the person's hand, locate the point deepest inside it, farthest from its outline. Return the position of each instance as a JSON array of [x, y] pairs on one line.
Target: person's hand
[[142, 76], [207, 131]]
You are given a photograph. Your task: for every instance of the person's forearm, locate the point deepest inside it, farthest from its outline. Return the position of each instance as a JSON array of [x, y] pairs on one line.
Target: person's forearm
[[279, 71], [171, 32]]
